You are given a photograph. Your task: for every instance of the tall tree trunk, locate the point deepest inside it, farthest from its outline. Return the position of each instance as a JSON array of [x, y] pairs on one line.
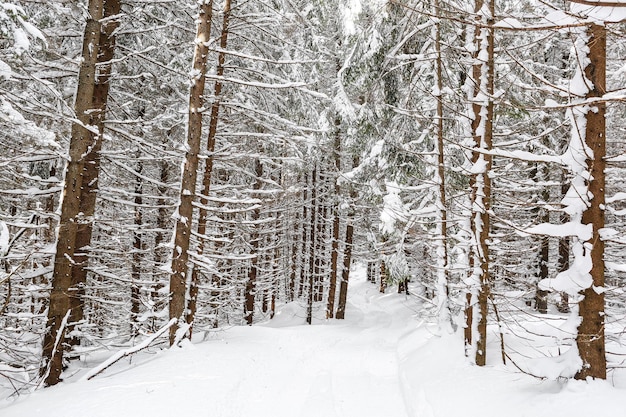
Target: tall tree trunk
[[480, 182], [81, 141], [590, 338], [445, 317], [251, 283], [538, 175], [383, 277], [182, 233], [161, 253], [208, 167], [347, 261], [564, 249], [313, 244], [334, 256], [320, 242], [137, 255], [91, 169], [305, 253]]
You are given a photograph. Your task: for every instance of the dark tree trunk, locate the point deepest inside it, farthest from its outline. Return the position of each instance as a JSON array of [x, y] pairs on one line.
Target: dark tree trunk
[[313, 243], [137, 256], [590, 338], [182, 233], [334, 256], [65, 294], [251, 284]]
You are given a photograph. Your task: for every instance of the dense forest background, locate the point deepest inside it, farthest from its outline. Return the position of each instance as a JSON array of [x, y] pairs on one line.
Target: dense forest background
[[188, 166]]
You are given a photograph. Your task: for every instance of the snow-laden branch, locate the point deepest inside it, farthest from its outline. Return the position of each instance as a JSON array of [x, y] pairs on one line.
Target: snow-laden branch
[[127, 352]]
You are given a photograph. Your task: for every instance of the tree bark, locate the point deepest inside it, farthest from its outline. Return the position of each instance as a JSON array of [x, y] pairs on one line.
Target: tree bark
[[480, 182], [91, 171], [590, 338], [182, 233], [63, 293], [345, 273], [334, 256], [564, 249], [251, 283], [313, 243], [137, 256], [445, 318]]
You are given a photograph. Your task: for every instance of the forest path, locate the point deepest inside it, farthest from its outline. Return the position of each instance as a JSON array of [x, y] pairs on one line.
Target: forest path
[[335, 368]]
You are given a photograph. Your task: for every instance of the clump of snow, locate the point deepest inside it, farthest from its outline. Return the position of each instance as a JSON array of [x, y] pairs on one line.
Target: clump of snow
[[577, 277], [4, 238], [600, 14]]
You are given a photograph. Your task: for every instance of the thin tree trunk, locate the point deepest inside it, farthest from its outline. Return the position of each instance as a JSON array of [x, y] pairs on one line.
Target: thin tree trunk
[[304, 250], [160, 252], [320, 243], [590, 338], [383, 277], [345, 273], [182, 233], [538, 175], [334, 256], [445, 317], [251, 283], [313, 243], [137, 256], [82, 139], [482, 131], [564, 249]]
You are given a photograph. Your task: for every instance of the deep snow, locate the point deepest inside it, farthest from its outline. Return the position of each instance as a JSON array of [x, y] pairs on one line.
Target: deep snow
[[383, 360]]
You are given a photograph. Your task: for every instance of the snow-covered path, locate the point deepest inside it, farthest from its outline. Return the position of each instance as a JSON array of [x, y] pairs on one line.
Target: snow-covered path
[[284, 368], [382, 361]]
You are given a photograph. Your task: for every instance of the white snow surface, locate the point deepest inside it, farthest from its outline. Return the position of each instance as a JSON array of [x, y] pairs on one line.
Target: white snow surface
[[382, 361]]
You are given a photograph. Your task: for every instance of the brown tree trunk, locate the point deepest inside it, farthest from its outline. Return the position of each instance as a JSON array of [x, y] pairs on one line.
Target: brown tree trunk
[[182, 233], [251, 283], [590, 338], [91, 169], [334, 256], [539, 175], [161, 253], [306, 228], [137, 256], [313, 242], [445, 317], [383, 277], [81, 141], [482, 131], [320, 243], [564, 249], [345, 273]]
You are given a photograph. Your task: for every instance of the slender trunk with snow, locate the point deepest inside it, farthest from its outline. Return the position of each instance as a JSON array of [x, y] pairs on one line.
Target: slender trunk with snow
[[590, 338], [136, 269], [347, 257], [334, 256], [208, 167], [251, 282], [312, 249], [182, 233], [82, 137], [482, 132], [441, 241]]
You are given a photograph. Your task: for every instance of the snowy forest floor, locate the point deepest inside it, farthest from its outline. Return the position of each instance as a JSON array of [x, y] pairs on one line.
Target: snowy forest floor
[[382, 361]]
